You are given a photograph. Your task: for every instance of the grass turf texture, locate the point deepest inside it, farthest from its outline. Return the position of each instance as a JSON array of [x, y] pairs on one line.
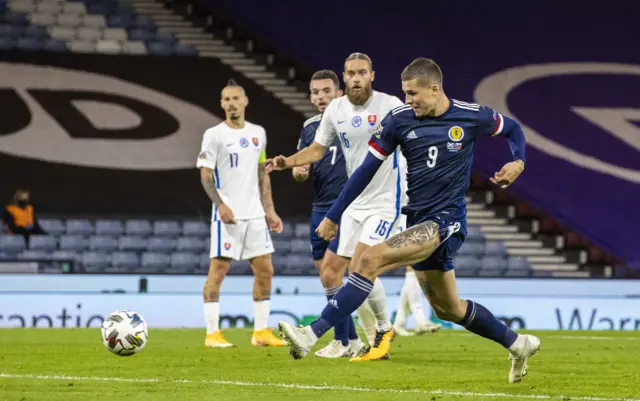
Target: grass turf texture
[[72, 364]]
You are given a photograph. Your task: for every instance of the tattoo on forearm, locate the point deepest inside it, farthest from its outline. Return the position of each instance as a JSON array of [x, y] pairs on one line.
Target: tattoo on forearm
[[417, 235], [265, 189], [209, 185]]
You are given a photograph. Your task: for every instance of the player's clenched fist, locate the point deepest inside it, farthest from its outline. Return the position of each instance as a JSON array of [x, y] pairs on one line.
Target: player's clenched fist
[[275, 223], [327, 230], [226, 215], [508, 174], [277, 163]]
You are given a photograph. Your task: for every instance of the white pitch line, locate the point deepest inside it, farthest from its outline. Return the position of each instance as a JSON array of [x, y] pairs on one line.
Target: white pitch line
[[314, 387], [568, 337]]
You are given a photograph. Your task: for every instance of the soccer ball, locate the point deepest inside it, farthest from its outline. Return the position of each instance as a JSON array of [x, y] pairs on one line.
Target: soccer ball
[[124, 333]]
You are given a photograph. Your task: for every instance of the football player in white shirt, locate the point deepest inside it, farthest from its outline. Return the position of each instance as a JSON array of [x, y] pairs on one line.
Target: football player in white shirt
[[373, 216], [232, 172]]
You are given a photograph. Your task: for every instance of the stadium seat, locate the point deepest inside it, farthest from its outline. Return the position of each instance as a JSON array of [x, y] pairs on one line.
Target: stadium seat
[[471, 249], [43, 243], [55, 45], [7, 43], [132, 243], [518, 273], [166, 228], [62, 32], [195, 229], [94, 21], [65, 255], [34, 255], [118, 34], [11, 31], [103, 244], [287, 229], [466, 262], [97, 8], [492, 262], [161, 244], [283, 246], [72, 7], [108, 47], [136, 47], [12, 244], [160, 49], [23, 6], [279, 262], [184, 260], [125, 9], [88, 33], [495, 248], [76, 243], [141, 228], [79, 227], [518, 264], [14, 18], [52, 226], [475, 234], [203, 263], [141, 35], [35, 31], [240, 268], [69, 20], [186, 50], [302, 230], [300, 246], [490, 272], [82, 46], [120, 21], [466, 272], [29, 44], [155, 262], [145, 23], [128, 260], [43, 19], [190, 244], [49, 7], [167, 37], [299, 262], [94, 261], [112, 228]]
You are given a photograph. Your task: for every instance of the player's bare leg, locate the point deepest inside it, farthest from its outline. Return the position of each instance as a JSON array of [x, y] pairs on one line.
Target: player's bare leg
[[346, 341], [262, 267], [218, 269], [408, 247], [441, 291]]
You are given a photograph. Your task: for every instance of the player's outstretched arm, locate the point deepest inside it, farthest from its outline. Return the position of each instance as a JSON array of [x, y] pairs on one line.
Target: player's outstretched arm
[[274, 221], [308, 155], [511, 130], [352, 189], [209, 185]]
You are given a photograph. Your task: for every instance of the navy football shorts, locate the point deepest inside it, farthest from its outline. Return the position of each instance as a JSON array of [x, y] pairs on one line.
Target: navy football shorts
[[318, 245], [452, 235]]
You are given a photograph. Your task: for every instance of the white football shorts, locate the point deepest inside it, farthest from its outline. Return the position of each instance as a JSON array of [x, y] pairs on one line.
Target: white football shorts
[[369, 228], [244, 240]]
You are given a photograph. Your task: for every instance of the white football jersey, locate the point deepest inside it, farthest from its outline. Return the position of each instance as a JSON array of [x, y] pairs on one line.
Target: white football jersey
[[354, 126], [234, 156]]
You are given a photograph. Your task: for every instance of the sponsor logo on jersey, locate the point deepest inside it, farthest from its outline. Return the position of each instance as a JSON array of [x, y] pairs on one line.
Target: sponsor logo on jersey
[[356, 121], [456, 133], [377, 131], [454, 146], [244, 142], [412, 135], [227, 246], [202, 155], [256, 142], [372, 119]]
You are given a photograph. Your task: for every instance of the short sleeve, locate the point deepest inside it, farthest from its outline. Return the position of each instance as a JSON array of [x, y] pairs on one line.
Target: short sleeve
[[208, 152], [326, 132], [263, 151], [395, 102], [490, 122], [303, 141], [384, 140]]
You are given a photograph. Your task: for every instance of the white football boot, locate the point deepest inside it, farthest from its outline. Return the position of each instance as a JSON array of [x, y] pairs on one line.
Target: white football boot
[[355, 347], [402, 332], [525, 346], [428, 327], [335, 349], [299, 339]]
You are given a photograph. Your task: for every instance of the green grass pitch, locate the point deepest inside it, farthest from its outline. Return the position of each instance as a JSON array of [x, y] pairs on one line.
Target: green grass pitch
[[72, 364]]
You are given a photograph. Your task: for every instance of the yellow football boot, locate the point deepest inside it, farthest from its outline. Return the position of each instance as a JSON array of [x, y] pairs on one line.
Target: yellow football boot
[[380, 348], [266, 338], [216, 340]]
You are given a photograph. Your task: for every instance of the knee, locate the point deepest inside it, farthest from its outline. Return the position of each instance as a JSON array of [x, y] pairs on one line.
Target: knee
[[451, 312], [329, 277], [263, 272], [217, 270], [369, 263]]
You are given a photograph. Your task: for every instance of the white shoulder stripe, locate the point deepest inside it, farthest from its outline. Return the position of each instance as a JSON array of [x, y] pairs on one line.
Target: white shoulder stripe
[[312, 120], [465, 103], [466, 107], [377, 154], [400, 109]]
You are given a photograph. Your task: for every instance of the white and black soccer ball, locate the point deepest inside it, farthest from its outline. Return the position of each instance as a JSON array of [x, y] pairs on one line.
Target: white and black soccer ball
[[124, 333]]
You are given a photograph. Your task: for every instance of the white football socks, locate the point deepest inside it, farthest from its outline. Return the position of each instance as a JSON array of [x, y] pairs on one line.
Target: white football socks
[[212, 316], [414, 296], [367, 321], [377, 300], [261, 311], [403, 309]]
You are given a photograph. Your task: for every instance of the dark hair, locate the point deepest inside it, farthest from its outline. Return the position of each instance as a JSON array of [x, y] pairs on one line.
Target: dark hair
[[326, 74], [232, 82], [425, 70], [360, 56]]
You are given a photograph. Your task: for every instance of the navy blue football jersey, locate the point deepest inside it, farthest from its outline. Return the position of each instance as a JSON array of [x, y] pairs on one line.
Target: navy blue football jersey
[[329, 173], [439, 153]]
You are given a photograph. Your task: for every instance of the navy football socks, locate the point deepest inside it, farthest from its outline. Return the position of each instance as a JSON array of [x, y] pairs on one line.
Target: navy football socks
[[340, 330], [480, 321]]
